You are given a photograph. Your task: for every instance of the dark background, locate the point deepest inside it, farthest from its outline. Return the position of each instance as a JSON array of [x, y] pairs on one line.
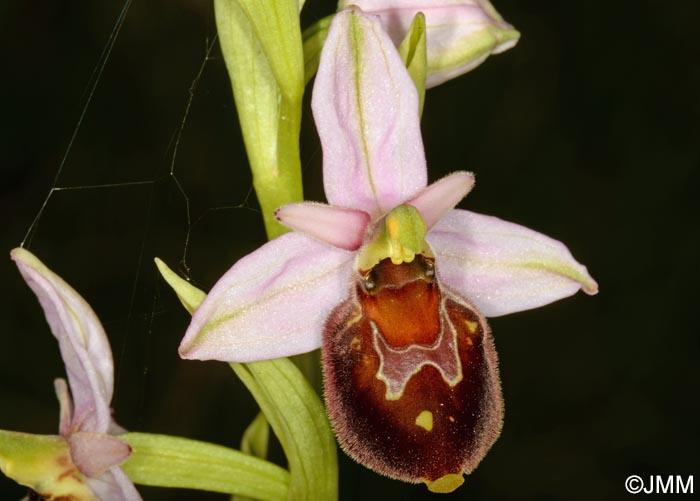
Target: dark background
[[587, 131]]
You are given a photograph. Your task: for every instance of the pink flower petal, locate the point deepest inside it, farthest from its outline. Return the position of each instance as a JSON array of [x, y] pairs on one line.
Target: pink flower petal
[[503, 267], [441, 197], [460, 33], [366, 110], [446, 20], [114, 485], [81, 338], [272, 303], [95, 453], [335, 226]]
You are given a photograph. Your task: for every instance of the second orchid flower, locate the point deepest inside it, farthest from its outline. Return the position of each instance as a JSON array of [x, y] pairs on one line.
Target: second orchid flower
[[83, 462], [461, 34]]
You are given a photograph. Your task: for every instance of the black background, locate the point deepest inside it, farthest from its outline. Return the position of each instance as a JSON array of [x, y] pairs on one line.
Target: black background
[[587, 131]]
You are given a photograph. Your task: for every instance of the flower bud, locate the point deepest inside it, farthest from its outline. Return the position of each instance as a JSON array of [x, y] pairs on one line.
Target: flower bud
[[461, 34]]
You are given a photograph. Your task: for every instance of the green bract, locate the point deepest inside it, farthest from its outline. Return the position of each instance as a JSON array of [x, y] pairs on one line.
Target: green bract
[[314, 37], [413, 53], [261, 44]]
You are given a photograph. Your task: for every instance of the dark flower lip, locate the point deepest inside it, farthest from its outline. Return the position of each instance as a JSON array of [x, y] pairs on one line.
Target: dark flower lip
[[448, 410]]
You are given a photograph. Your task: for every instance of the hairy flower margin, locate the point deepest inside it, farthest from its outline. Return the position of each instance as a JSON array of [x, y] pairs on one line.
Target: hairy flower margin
[[83, 462]]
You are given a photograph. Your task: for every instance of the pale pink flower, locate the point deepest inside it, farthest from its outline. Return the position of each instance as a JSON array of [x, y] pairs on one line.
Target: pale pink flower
[[86, 421]]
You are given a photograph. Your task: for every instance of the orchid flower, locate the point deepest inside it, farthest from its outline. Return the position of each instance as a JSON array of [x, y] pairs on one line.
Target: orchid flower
[[83, 462], [461, 34], [388, 278]]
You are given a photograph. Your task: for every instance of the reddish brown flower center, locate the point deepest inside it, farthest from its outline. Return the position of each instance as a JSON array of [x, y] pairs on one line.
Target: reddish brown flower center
[[402, 300]]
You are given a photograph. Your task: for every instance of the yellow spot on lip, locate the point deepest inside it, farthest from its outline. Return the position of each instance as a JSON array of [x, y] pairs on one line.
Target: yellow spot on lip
[[445, 484], [471, 326], [452, 419], [425, 420]]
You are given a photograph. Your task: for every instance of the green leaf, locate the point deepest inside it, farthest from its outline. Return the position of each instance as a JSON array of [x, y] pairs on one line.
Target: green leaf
[[165, 461], [261, 44], [313, 39], [300, 423], [414, 55], [189, 295]]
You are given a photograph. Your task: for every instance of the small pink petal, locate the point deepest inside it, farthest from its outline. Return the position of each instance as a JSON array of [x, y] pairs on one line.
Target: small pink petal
[[114, 485], [503, 267], [95, 453], [81, 338], [441, 197], [272, 303], [366, 111], [335, 226]]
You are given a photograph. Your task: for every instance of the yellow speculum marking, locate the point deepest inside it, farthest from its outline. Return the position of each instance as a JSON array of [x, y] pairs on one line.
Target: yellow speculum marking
[[445, 484], [471, 326], [425, 420]]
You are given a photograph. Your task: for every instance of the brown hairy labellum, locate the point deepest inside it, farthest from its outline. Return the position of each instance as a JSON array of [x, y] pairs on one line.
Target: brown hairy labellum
[[411, 376]]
